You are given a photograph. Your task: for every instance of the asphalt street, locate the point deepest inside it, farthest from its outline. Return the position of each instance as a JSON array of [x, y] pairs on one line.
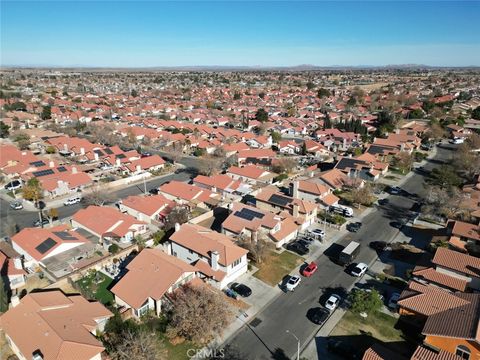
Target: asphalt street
[[267, 338], [25, 218]]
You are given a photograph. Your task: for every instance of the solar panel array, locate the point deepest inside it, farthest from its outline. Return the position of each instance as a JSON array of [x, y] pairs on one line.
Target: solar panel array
[[248, 214], [37, 163], [108, 151], [61, 169], [99, 152], [279, 200], [120, 156], [65, 235], [46, 245], [43, 172]]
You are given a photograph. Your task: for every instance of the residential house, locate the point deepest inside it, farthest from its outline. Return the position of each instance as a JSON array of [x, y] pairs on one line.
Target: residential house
[[254, 223], [303, 211], [109, 224], [361, 168], [338, 180], [149, 163], [315, 191], [190, 195], [11, 267], [256, 156], [458, 265], [150, 276], [50, 325], [147, 208], [251, 174], [462, 234], [214, 255], [36, 245], [223, 185]]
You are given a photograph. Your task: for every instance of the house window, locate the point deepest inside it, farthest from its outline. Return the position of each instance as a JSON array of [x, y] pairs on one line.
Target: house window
[[142, 311], [236, 262], [463, 352]]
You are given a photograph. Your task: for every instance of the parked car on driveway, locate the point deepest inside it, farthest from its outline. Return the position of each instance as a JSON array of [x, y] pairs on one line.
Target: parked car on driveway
[[13, 185], [16, 205], [298, 248], [310, 269], [395, 190], [354, 226], [392, 302], [241, 289], [293, 282], [359, 270], [318, 232], [332, 302], [38, 223], [318, 315], [304, 243]]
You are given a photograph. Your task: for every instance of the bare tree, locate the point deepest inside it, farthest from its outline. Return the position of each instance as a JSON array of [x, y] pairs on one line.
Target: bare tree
[[139, 345], [284, 165], [209, 166], [362, 195], [199, 314], [98, 195], [51, 214], [467, 161], [178, 215], [175, 151], [404, 161], [258, 250]]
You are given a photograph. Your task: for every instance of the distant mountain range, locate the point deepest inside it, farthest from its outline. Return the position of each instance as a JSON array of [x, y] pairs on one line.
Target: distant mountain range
[[302, 67]]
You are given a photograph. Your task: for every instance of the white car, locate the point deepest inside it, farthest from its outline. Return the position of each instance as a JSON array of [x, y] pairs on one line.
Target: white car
[[293, 282], [392, 303], [332, 302], [16, 205], [72, 201], [13, 185], [359, 269]]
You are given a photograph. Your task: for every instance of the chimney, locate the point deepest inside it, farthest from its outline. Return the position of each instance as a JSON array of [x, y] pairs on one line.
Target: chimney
[[51, 164], [37, 355], [74, 170], [402, 147], [95, 155], [82, 151], [397, 131], [15, 300], [295, 190], [214, 262], [17, 262], [177, 227], [118, 162], [295, 210], [138, 168]]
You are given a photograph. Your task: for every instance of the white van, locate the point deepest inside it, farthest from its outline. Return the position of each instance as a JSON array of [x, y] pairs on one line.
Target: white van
[[72, 201], [342, 210]]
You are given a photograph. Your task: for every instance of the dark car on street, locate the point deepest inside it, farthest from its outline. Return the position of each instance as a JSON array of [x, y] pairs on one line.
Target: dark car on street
[[318, 315], [354, 226], [378, 245], [298, 248], [241, 289]]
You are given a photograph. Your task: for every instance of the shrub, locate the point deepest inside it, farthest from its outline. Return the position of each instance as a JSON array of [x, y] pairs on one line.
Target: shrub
[[113, 249]]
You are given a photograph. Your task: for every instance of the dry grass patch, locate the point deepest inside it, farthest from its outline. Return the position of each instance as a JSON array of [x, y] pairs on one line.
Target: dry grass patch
[[274, 268]]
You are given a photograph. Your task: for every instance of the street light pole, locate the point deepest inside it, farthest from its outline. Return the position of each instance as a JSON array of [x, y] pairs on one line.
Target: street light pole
[[298, 343]]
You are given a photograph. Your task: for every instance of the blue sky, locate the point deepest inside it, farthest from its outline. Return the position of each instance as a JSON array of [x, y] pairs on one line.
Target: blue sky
[[281, 33]]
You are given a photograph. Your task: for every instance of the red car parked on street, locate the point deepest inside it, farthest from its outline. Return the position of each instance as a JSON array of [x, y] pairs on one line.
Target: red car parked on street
[[310, 269]]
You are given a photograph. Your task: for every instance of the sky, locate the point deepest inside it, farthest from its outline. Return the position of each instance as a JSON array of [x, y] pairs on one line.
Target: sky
[[246, 33]]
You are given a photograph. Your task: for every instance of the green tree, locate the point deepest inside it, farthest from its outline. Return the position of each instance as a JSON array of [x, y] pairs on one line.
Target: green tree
[[276, 136], [237, 96], [46, 112], [261, 115], [304, 148], [113, 249], [321, 93], [476, 113], [416, 114], [134, 93], [50, 150], [4, 130], [352, 101], [365, 301], [310, 85], [444, 176], [33, 190]]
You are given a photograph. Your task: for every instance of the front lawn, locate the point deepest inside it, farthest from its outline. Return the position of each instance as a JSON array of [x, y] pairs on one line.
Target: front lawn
[[178, 351], [381, 326], [96, 285], [276, 266]]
